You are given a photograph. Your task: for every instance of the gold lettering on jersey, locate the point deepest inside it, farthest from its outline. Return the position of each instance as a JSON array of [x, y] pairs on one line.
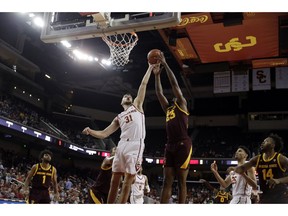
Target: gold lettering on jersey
[[235, 45], [170, 114], [263, 166], [197, 19], [273, 165], [44, 173], [267, 174]]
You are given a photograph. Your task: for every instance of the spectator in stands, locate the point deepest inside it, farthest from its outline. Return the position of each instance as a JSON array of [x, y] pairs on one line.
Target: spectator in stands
[[68, 184]]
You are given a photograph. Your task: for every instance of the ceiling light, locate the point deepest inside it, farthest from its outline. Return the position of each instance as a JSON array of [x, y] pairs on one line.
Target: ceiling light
[[38, 21], [66, 43]]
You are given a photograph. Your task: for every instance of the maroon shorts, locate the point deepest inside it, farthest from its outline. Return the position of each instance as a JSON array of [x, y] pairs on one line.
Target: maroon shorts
[[96, 197], [180, 156], [39, 196]]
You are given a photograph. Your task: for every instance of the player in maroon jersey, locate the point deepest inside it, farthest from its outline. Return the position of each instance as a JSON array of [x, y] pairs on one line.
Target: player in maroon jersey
[[98, 193], [271, 167], [178, 149], [41, 176]]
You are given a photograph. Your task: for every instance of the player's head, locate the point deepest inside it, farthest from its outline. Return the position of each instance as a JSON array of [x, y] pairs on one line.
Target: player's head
[[45, 156], [272, 142], [127, 99], [242, 152], [276, 141]]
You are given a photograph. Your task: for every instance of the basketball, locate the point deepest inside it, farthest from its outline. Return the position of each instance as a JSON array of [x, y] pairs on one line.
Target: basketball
[[153, 55]]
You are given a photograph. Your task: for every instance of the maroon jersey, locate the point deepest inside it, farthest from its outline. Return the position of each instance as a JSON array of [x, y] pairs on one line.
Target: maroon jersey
[[176, 125], [42, 177], [102, 183], [222, 197], [266, 170]]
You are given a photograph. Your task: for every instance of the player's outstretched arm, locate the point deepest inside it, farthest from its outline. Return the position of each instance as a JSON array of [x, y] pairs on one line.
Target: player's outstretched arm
[[244, 167], [102, 134], [224, 183], [250, 177], [159, 90], [174, 84], [139, 100]]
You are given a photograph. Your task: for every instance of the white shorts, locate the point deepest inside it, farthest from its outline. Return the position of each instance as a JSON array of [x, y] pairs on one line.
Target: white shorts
[[136, 199], [238, 199], [128, 157]]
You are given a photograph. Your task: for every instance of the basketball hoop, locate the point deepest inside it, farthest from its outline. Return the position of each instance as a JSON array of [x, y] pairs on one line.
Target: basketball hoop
[[120, 46]]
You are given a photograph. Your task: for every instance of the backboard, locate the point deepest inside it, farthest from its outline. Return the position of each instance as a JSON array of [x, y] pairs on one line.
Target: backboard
[[76, 26]]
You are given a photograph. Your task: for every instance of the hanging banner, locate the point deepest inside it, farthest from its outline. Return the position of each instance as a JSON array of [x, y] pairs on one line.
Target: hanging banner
[[261, 15], [221, 82], [281, 77], [217, 43], [261, 79], [274, 62], [240, 81]]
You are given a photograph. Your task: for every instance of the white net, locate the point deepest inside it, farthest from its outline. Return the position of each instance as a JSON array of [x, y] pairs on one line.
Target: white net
[[120, 46]]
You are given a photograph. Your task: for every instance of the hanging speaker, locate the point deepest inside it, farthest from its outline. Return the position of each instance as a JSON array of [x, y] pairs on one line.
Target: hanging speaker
[[231, 19]]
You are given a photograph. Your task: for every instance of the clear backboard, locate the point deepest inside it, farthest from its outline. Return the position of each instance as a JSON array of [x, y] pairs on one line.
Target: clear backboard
[[76, 26]]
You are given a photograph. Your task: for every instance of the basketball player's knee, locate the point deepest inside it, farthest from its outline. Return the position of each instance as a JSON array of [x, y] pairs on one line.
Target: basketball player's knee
[[168, 181], [181, 185], [181, 182]]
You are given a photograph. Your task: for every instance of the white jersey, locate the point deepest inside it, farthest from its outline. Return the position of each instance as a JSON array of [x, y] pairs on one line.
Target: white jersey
[[132, 124], [241, 190], [137, 190], [129, 153]]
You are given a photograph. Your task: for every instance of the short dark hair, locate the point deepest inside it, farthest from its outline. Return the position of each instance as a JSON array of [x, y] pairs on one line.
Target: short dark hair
[[46, 151], [278, 141], [246, 150]]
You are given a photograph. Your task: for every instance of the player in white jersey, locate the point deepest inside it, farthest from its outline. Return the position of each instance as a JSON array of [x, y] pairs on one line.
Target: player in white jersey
[[129, 153], [242, 185], [139, 187]]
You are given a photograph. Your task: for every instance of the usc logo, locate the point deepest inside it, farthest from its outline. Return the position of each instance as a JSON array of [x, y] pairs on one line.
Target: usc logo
[[189, 20], [235, 45], [260, 75]]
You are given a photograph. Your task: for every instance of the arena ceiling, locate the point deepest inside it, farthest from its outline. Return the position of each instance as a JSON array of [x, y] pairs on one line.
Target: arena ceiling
[[202, 43]]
